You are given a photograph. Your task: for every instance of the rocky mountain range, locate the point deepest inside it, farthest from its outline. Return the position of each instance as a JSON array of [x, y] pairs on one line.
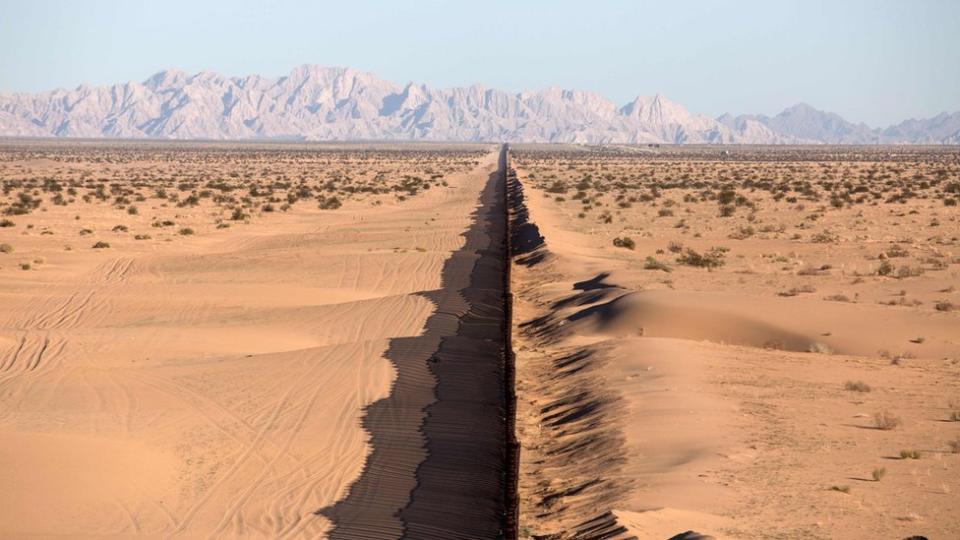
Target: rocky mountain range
[[322, 103]]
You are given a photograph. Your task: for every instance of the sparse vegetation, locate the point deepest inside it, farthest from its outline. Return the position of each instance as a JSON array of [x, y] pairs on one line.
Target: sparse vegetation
[[625, 242], [944, 306], [651, 263], [819, 348], [714, 258], [878, 474], [857, 386], [886, 421]]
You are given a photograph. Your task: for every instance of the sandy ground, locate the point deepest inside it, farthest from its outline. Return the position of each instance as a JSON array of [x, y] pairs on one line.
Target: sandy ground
[[209, 384], [704, 399]]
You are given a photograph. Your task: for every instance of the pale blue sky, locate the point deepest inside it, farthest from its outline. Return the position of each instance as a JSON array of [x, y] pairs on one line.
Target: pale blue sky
[[873, 61]]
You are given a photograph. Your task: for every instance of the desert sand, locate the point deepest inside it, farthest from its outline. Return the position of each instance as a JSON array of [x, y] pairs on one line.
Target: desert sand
[[206, 372], [746, 344], [298, 340]]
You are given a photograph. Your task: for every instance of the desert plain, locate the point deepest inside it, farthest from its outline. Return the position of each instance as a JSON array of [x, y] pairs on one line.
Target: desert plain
[[749, 342], [192, 332], [219, 340]]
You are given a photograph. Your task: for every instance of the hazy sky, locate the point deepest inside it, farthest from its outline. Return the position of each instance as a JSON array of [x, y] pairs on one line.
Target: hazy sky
[[873, 61]]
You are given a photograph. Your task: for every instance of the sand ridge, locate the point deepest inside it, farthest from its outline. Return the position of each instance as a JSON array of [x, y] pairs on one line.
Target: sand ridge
[[569, 424], [747, 405]]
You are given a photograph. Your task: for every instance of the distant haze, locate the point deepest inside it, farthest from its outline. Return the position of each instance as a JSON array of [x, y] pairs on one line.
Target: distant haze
[[332, 103], [876, 62]]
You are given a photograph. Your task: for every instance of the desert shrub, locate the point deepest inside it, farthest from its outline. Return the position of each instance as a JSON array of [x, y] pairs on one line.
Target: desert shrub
[[909, 454], [191, 200], [186, 231], [885, 420], [885, 268], [819, 348], [824, 237], [331, 203], [713, 258], [841, 489], [6, 248], [896, 251], [652, 263], [857, 386], [935, 263], [557, 187], [238, 214], [794, 291], [101, 245], [6, 223], [25, 266], [878, 474], [142, 237], [814, 270], [742, 233], [132, 210], [944, 306], [954, 446], [908, 271], [837, 298], [625, 242], [120, 228]]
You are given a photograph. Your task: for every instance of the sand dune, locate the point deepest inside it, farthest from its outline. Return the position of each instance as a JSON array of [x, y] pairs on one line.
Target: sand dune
[[661, 401], [214, 384], [569, 425], [258, 366]]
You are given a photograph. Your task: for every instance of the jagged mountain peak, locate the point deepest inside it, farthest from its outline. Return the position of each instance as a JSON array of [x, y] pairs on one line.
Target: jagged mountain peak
[[802, 108], [339, 103], [165, 78], [655, 108]]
